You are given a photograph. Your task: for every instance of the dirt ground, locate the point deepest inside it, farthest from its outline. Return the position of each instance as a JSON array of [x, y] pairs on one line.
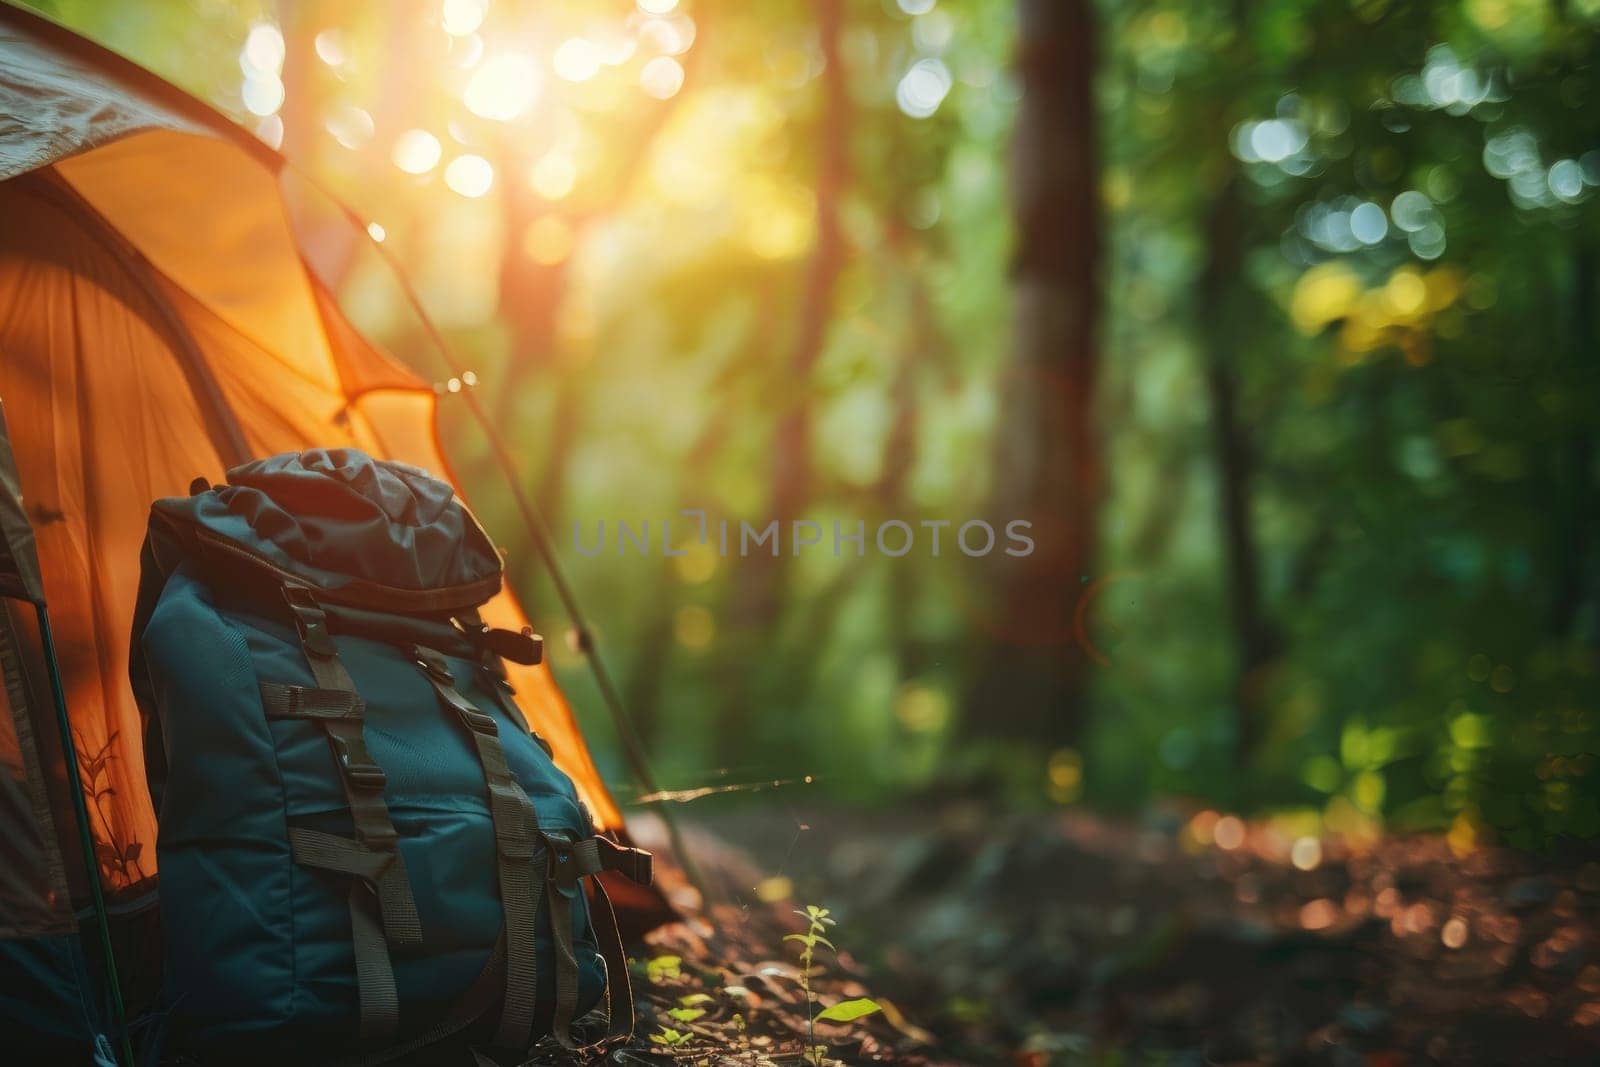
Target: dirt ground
[[1065, 938]]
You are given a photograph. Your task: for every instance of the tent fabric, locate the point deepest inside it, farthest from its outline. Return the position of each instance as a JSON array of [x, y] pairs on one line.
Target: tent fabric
[[34, 899], [245, 271], [158, 322], [55, 101], [33, 886], [19, 561]]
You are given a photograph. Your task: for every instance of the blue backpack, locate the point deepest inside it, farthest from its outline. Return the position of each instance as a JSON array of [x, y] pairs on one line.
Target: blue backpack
[[363, 849]]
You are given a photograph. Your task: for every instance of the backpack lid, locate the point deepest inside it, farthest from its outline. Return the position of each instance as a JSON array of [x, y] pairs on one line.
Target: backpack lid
[[360, 531]]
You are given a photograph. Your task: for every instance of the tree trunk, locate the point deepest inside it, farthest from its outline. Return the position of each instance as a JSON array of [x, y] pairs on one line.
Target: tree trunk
[[1256, 640], [1031, 686], [1574, 511], [792, 454], [757, 598]]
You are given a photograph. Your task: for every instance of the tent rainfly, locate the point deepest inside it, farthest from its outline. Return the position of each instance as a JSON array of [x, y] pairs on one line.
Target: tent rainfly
[[158, 321]]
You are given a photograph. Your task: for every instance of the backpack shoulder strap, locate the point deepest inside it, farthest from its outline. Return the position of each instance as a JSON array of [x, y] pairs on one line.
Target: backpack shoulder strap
[[382, 910], [516, 828]]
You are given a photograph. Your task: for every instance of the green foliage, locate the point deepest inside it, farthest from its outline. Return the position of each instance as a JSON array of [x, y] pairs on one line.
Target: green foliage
[[663, 968], [671, 1038], [849, 1010], [1410, 385]]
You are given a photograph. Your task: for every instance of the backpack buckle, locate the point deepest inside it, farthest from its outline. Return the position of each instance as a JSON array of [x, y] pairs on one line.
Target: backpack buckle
[[311, 621], [478, 720], [560, 857], [357, 765], [433, 665]]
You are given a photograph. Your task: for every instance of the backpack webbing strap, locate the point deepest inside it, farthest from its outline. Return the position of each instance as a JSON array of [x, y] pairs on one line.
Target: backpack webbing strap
[[381, 870], [480, 996], [561, 897], [515, 829], [595, 854], [304, 702], [499, 683], [569, 862], [372, 929], [619, 986]]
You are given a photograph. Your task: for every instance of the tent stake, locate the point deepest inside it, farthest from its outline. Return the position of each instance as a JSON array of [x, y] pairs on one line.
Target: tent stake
[[80, 810], [632, 744]]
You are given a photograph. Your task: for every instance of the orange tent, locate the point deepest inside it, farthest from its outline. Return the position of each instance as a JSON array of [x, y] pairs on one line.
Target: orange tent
[[158, 321]]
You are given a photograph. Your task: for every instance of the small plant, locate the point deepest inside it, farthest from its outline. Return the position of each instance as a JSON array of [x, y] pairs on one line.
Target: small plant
[[687, 1011], [119, 860], [671, 1038], [818, 920], [663, 969]]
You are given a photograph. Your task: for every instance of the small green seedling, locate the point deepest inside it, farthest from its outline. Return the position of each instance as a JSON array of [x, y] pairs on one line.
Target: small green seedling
[[686, 1011], [818, 921], [663, 968], [672, 1038]]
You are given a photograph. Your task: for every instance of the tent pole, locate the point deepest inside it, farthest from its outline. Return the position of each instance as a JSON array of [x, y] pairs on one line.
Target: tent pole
[[632, 743], [80, 810], [544, 544]]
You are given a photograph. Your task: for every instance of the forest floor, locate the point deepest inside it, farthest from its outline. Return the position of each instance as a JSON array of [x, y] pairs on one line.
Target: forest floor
[[1064, 939]]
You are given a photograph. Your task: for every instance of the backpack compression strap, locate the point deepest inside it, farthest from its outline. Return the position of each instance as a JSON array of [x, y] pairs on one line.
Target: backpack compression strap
[[570, 861], [516, 827], [382, 910], [521, 885]]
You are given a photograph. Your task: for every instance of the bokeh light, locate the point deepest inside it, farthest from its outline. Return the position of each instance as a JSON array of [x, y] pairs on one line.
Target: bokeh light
[[331, 48], [670, 35], [1368, 223], [263, 50], [351, 126], [923, 88], [470, 175], [503, 88], [661, 77], [261, 60], [1275, 140], [1412, 211], [577, 59], [461, 17], [416, 151], [1566, 180], [262, 95]]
